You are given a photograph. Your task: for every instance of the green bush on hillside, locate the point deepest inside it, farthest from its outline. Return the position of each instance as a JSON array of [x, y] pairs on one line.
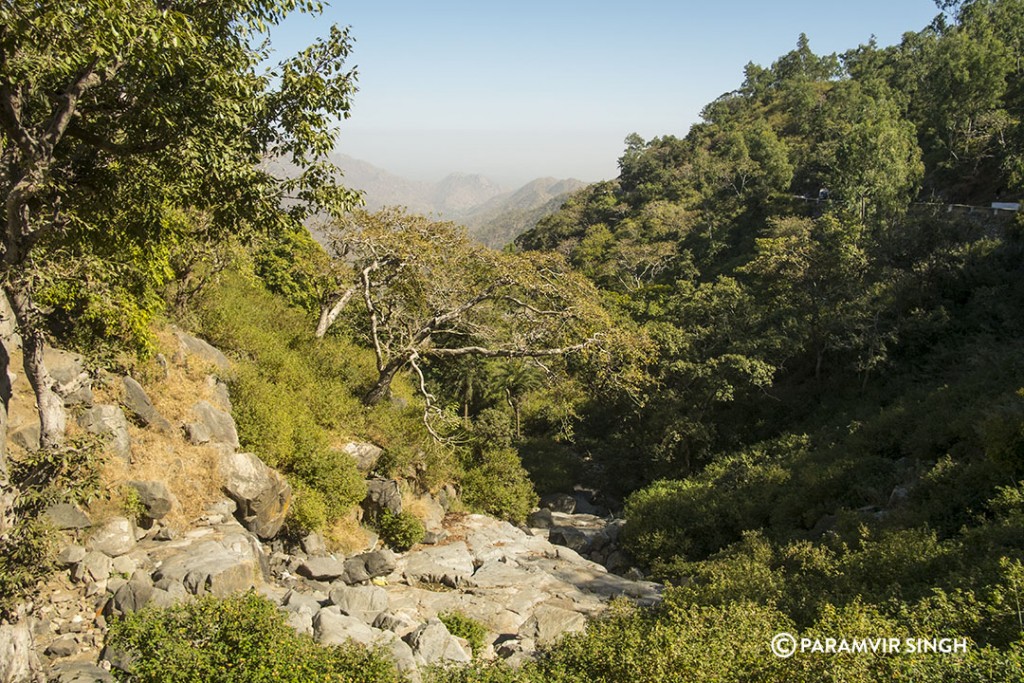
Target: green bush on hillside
[[400, 532], [498, 485], [239, 639]]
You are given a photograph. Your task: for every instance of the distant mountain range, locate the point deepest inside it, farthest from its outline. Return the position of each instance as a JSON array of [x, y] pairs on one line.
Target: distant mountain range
[[491, 214]]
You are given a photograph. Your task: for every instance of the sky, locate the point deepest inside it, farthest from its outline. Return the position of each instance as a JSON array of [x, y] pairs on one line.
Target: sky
[[527, 89]]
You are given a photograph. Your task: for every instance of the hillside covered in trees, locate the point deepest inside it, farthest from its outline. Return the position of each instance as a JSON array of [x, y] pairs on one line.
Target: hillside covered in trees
[[788, 347]]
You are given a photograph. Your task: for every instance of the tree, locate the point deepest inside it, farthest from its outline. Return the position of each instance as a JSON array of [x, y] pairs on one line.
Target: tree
[[117, 116], [431, 294]]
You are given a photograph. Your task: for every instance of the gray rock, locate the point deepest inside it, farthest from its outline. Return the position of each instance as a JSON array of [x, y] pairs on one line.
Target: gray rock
[[109, 422], [433, 644], [362, 602], [295, 601], [381, 495], [155, 497], [355, 571], [26, 436], [379, 562], [399, 652], [331, 627], [218, 567], [559, 502], [263, 495], [569, 537], [138, 403], [73, 554], [79, 672], [66, 517], [67, 369], [219, 423], [114, 538], [399, 623], [18, 659], [301, 622], [124, 565], [219, 393], [548, 623], [132, 596], [314, 545], [365, 454], [62, 647], [321, 568], [95, 566], [197, 433], [449, 565], [194, 346], [540, 519]]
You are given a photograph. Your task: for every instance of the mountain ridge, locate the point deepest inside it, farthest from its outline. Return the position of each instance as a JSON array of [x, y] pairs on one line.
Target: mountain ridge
[[491, 213]]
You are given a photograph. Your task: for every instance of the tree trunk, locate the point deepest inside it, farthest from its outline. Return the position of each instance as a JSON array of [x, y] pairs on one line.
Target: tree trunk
[[6, 491], [328, 314], [52, 418], [382, 388]]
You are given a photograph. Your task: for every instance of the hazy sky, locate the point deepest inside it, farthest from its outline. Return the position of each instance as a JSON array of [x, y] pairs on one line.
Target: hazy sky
[[524, 89]]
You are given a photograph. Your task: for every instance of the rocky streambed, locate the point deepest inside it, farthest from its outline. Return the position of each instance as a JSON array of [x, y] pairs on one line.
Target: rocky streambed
[[524, 589]]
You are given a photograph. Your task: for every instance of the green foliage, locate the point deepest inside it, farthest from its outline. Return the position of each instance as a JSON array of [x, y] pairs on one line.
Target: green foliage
[[497, 484], [308, 511], [462, 626], [69, 474], [237, 639], [400, 532]]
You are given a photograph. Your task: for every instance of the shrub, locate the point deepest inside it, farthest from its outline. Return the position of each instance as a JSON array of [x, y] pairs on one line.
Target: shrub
[[308, 511], [401, 531], [335, 476], [235, 640], [462, 626], [499, 486]]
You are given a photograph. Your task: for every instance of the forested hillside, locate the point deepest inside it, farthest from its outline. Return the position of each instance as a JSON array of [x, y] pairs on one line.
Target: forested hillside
[[788, 347]]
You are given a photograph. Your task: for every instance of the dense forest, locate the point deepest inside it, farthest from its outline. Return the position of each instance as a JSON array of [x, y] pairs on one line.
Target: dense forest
[[787, 347]]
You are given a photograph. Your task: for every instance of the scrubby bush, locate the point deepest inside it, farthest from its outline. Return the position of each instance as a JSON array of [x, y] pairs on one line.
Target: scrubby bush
[[308, 511], [462, 626], [401, 531], [498, 485], [334, 475], [240, 639]]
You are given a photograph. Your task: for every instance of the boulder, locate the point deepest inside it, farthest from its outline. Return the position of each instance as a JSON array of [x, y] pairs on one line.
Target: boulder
[[540, 519], [355, 571], [559, 502], [62, 647], [131, 597], [137, 402], [379, 562], [67, 517], [18, 659], [365, 454], [570, 537], [399, 623], [263, 495], [362, 602], [381, 495], [114, 538], [26, 436], [194, 346], [197, 433], [548, 623], [449, 565], [155, 497], [321, 568], [313, 544], [73, 383], [71, 555], [219, 393], [109, 422], [331, 627], [79, 672], [95, 566], [432, 644], [217, 567], [219, 424]]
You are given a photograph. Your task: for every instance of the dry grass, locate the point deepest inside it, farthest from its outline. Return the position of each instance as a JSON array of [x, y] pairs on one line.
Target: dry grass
[[190, 472], [347, 535]]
